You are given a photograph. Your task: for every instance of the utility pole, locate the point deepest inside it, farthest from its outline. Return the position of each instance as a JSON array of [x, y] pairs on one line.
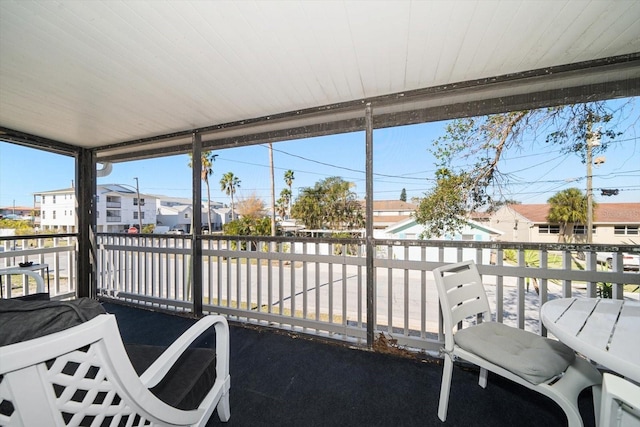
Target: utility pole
[[593, 140], [139, 207], [273, 192]]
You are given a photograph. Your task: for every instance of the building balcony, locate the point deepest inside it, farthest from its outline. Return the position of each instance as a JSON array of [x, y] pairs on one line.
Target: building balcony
[[300, 350], [320, 286]]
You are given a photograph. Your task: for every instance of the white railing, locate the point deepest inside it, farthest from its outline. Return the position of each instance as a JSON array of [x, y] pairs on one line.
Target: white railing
[[319, 286], [55, 253]]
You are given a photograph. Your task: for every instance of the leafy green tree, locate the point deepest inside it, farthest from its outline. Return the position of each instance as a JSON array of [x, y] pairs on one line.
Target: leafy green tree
[[403, 195], [148, 229], [207, 170], [309, 207], [567, 208], [248, 226], [330, 203], [468, 154], [229, 183], [443, 209], [21, 227]]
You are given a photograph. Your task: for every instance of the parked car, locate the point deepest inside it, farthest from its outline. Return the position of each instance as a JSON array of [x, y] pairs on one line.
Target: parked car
[[629, 261], [177, 229]]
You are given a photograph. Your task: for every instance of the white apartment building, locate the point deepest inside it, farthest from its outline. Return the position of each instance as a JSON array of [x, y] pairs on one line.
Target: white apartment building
[[117, 209], [57, 210]]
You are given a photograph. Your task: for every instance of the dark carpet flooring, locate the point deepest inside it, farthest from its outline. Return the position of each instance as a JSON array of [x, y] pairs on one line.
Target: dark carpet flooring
[[280, 379]]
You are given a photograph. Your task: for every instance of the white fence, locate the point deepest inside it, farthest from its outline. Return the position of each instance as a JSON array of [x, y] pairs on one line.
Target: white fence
[[319, 286], [55, 254]]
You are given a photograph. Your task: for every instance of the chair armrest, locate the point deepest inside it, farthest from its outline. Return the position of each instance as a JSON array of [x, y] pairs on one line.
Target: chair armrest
[[158, 369]]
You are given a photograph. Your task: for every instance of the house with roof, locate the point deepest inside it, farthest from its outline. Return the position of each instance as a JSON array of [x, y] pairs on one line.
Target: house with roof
[[176, 216], [411, 230], [613, 223], [389, 212], [19, 212], [177, 213]]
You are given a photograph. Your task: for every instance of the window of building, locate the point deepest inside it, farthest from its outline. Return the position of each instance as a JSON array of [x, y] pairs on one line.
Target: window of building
[[135, 201], [43, 214], [54, 199], [582, 229], [54, 214], [135, 215], [549, 229], [626, 229]]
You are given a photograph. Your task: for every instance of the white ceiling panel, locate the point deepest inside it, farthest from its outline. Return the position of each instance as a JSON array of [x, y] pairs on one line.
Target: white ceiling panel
[[95, 73]]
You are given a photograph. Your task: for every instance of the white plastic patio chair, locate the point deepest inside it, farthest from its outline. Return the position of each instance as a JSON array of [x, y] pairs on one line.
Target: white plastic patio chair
[[541, 364], [83, 376], [620, 402]]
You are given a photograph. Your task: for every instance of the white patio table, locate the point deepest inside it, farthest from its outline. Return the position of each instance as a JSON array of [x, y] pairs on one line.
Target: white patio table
[[16, 269], [603, 330]]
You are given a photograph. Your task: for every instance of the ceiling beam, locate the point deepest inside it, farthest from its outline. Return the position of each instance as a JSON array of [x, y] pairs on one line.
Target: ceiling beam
[[34, 141]]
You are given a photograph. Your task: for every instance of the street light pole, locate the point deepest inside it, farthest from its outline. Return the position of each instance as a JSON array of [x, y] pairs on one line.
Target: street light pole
[[139, 207]]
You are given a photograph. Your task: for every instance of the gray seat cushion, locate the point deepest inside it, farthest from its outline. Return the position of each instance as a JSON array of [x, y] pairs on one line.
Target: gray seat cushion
[[527, 355]]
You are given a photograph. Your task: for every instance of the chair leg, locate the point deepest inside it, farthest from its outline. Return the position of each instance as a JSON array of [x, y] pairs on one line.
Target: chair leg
[[445, 388], [224, 410], [597, 402], [484, 374], [578, 376]]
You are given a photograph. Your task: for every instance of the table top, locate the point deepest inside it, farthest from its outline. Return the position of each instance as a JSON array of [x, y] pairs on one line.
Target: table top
[[13, 268], [604, 330]]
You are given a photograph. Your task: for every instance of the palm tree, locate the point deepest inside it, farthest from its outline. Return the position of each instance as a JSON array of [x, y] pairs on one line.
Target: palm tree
[[229, 183], [207, 159], [281, 207], [288, 179], [567, 208], [285, 197]]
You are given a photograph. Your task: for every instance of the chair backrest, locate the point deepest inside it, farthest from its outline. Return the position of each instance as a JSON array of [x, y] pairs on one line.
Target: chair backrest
[[461, 294], [79, 376], [620, 405]]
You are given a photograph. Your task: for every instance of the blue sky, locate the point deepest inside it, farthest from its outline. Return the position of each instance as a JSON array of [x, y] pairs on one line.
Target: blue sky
[[401, 160]]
